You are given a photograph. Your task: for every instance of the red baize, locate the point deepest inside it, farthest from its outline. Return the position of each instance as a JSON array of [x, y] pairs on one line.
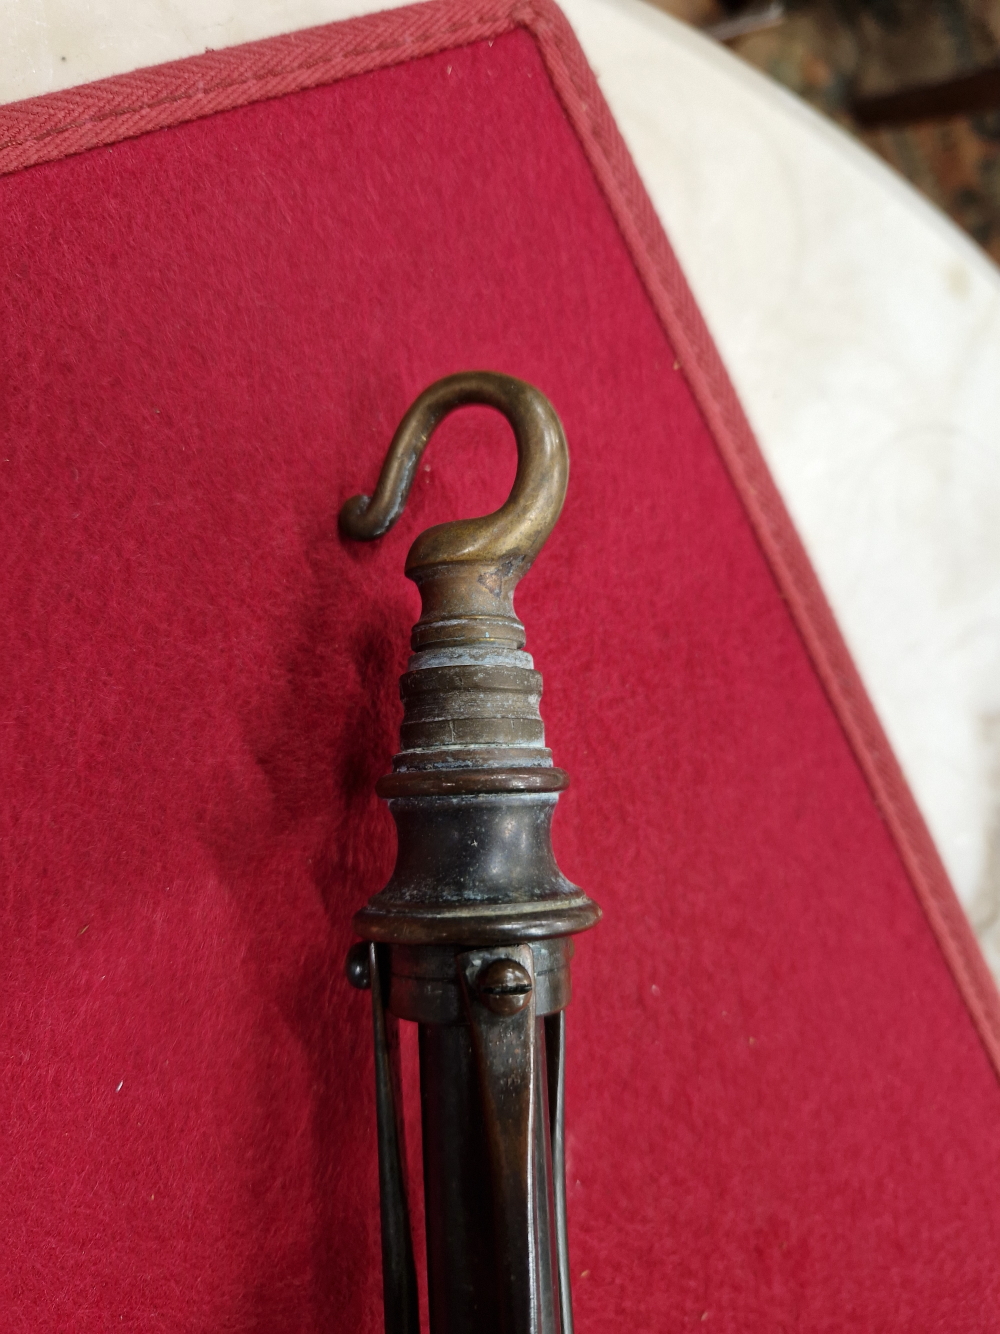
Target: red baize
[[781, 1116]]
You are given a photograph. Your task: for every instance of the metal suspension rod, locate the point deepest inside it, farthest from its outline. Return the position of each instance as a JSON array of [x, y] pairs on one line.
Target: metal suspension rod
[[470, 939]]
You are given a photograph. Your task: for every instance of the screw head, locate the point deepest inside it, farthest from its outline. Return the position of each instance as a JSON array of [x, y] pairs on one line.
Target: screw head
[[356, 966], [504, 986]]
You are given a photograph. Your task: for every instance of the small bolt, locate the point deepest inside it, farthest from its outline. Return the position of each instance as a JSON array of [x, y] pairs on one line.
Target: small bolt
[[356, 966], [504, 986]]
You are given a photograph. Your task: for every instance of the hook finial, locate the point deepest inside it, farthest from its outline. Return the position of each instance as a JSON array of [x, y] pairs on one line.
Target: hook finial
[[467, 570]]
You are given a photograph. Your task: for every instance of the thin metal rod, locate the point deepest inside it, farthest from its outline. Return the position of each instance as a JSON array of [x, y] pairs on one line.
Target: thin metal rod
[[504, 1048], [555, 1055], [548, 1284], [399, 1273]]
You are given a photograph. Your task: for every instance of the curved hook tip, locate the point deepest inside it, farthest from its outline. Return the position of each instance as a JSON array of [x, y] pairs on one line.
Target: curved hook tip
[[355, 521], [364, 520]]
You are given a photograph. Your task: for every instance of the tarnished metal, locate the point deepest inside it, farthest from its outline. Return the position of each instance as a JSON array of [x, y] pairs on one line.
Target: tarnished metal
[[505, 1043], [425, 986], [555, 1052], [399, 1275], [467, 570], [473, 927], [504, 985]]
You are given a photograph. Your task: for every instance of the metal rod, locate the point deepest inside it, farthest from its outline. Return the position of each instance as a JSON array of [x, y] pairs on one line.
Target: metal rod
[[461, 1243], [504, 1041], [555, 1052], [399, 1272]]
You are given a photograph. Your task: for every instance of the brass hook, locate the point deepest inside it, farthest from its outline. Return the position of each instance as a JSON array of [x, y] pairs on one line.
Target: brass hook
[[467, 569]]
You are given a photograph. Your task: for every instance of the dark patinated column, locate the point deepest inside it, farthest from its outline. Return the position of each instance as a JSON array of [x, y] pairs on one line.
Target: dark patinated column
[[470, 938]]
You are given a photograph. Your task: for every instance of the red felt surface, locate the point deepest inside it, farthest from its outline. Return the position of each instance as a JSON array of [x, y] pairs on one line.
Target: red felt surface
[[780, 1113]]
